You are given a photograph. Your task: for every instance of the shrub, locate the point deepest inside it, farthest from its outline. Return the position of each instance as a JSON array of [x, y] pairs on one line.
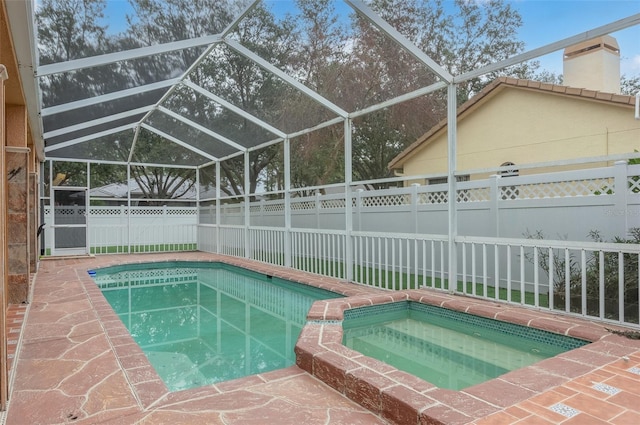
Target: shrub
[[608, 263]]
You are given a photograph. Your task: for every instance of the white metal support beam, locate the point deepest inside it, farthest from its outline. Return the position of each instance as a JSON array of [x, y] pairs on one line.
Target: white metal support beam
[[109, 58], [287, 203], [452, 118], [287, 78], [550, 48], [178, 142], [329, 123], [399, 99], [112, 162], [89, 137], [407, 45], [232, 26], [108, 97], [248, 248], [172, 88], [218, 205], [233, 108], [348, 203], [98, 121], [265, 144], [201, 128], [133, 144]]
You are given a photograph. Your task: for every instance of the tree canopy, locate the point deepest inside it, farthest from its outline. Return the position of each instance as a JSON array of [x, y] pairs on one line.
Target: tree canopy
[[341, 56]]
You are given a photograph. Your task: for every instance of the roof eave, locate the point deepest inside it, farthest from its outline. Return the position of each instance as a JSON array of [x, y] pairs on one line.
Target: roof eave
[[20, 18]]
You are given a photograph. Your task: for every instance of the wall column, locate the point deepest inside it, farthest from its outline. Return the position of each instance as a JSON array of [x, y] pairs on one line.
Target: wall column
[[17, 175], [4, 259]]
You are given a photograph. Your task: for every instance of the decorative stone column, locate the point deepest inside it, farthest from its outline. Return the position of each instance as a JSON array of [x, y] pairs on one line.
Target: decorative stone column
[[17, 175], [16, 168], [34, 221]]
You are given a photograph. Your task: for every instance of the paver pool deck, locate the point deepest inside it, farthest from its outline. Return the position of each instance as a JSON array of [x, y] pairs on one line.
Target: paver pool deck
[[76, 363]]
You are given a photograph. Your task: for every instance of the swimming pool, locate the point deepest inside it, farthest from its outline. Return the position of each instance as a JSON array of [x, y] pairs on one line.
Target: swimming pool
[[449, 349], [201, 323]]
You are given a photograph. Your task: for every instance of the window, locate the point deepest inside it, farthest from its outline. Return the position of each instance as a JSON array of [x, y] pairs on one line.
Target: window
[[509, 172], [509, 192], [443, 180]]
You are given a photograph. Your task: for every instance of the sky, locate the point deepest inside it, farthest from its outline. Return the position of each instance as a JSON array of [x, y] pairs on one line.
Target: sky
[[547, 21], [544, 22]]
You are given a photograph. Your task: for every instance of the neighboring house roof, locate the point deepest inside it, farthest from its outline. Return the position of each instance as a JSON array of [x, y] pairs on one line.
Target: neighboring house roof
[[506, 82], [119, 190]]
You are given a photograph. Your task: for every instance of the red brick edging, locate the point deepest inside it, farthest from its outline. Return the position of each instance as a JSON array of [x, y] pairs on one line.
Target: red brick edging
[[406, 399]]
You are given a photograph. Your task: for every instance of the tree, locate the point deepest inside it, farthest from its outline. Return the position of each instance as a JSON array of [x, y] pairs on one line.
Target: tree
[[258, 92], [549, 77], [67, 30], [375, 143], [469, 36], [461, 37], [630, 85], [318, 59], [349, 61]]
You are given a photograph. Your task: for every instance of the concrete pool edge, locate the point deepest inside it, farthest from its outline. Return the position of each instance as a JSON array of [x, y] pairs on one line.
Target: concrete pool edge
[[403, 398]]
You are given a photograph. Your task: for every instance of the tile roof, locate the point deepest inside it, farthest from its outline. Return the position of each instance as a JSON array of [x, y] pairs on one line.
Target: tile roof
[[619, 99]]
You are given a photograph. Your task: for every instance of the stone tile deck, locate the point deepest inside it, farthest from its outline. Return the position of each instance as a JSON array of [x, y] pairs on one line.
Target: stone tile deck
[[77, 364]]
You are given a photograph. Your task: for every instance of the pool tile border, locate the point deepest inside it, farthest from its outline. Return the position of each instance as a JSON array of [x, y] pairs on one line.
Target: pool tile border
[[403, 398]]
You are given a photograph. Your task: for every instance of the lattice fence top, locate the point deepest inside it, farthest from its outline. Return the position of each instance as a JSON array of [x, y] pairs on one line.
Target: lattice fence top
[[474, 195], [66, 211], [279, 207], [633, 182], [175, 212], [302, 205], [386, 200], [333, 203], [106, 212], [433, 198], [117, 211], [586, 187]]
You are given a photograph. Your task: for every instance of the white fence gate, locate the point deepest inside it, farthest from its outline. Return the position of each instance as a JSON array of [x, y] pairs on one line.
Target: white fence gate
[[139, 229]]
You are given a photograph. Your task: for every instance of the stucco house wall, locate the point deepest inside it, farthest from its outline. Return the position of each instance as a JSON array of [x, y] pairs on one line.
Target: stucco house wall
[[524, 122]]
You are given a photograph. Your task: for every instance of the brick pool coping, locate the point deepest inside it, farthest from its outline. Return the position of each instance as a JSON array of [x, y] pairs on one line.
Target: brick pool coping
[[404, 398]]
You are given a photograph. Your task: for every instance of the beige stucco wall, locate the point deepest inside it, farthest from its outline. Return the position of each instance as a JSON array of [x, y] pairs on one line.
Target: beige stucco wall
[[526, 126]]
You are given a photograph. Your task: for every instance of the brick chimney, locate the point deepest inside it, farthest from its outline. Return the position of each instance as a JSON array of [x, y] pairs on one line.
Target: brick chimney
[[593, 64]]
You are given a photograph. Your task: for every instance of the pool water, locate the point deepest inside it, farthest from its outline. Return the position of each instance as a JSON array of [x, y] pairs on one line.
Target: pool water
[[449, 349], [203, 323]]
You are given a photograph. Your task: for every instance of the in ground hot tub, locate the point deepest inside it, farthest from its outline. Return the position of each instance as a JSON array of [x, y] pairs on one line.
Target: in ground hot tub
[[400, 395], [447, 348]]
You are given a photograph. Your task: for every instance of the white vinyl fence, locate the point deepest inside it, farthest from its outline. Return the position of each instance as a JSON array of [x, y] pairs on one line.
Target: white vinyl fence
[[520, 239], [533, 240], [119, 229]]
